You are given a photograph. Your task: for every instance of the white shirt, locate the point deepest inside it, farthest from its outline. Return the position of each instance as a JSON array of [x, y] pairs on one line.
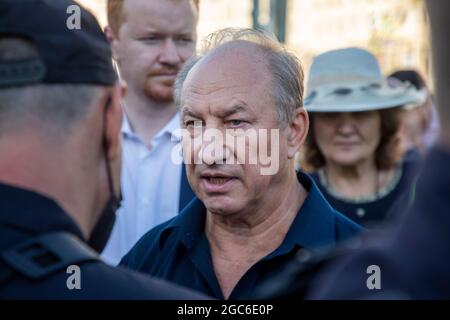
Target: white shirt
[[150, 182]]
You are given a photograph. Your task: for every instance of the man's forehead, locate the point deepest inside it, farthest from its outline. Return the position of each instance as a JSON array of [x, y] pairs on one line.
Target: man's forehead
[[217, 95], [226, 100], [175, 15]]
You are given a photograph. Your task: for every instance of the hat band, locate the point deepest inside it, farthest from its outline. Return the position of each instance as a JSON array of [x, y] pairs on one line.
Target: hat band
[[348, 79]]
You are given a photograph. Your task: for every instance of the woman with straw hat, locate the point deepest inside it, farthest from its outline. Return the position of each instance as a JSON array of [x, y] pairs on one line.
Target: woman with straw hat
[[353, 147]]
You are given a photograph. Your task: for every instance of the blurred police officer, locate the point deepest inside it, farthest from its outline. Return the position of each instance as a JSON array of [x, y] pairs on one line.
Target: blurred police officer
[[410, 261], [60, 121]]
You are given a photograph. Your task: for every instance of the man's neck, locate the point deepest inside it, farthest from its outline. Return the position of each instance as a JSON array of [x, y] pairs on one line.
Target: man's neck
[[31, 164], [146, 116], [238, 242]]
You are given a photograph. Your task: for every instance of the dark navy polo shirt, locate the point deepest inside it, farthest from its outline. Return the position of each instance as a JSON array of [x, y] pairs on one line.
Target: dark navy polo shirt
[[178, 249]]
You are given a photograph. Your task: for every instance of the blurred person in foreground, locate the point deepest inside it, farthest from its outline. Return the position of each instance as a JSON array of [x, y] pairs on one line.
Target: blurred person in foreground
[[151, 40], [60, 120], [409, 261], [420, 125], [250, 218], [353, 148]]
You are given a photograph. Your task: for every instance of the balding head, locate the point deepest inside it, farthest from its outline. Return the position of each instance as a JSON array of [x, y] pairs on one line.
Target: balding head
[[241, 60], [256, 52]]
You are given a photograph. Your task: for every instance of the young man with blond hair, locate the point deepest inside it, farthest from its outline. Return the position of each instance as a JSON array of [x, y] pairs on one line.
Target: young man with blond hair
[[151, 40]]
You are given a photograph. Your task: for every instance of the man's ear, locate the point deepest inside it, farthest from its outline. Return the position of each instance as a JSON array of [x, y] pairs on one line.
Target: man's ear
[[112, 39], [113, 124], [297, 131]]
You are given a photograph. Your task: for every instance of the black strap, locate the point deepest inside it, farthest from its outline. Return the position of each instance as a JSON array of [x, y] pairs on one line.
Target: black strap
[[21, 72], [44, 255]]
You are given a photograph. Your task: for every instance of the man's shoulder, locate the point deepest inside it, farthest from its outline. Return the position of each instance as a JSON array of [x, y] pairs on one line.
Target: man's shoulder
[[93, 280], [122, 283]]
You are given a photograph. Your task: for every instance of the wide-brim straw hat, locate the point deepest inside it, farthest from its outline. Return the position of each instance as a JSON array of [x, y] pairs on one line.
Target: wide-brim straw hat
[[350, 80]]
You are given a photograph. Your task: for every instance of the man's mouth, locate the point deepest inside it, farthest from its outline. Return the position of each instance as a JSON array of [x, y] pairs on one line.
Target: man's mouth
[[218, 180], [165, 74]]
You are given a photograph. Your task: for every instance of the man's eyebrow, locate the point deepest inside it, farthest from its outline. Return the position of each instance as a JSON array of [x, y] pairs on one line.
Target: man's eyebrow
[[236, 108], [188, 112], [183, 34]]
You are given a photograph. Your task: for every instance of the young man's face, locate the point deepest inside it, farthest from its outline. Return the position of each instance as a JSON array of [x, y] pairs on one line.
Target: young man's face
[[154, 41]]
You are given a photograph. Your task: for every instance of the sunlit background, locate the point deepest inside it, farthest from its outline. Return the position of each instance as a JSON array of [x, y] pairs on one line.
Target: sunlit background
[[396, 31]]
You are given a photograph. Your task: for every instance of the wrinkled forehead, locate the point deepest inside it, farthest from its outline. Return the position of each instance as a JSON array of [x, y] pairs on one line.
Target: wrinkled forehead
[[237, 68]]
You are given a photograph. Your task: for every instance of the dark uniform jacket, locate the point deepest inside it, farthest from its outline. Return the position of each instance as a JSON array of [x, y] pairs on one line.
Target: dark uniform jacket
[[38, 241]]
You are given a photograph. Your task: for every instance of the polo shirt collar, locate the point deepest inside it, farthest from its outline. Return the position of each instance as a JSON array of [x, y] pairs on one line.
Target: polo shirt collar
[[314, 225], [191, 222]]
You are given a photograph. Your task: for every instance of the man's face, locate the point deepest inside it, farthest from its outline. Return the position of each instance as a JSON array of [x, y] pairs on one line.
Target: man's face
[[231, 94], [157, 37]]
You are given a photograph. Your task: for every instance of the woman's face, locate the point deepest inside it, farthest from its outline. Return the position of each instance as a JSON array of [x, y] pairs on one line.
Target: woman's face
[[347, 138]]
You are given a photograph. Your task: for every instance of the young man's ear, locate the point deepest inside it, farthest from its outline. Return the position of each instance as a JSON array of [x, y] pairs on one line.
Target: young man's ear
[[112, 39], [113, 123], [297, 131]]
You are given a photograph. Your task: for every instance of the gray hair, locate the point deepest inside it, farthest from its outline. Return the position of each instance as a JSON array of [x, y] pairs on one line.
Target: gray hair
[[54, 107], [286, 69]]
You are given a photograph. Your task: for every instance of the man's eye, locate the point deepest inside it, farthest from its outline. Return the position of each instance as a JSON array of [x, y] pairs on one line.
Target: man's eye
[[150, 39], [193, 124], [236, 123], [184, 40]]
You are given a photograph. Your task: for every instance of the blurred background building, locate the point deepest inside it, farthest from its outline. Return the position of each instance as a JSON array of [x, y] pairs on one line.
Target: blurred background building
[[396, 31]]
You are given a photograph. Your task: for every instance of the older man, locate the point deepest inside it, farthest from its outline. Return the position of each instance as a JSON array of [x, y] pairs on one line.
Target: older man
[[253, 212], [151, 39]]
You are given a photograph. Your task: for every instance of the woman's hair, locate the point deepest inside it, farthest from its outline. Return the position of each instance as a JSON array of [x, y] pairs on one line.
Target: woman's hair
[[387, 154]]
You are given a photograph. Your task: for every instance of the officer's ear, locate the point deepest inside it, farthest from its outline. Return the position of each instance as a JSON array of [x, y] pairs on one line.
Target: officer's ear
[[112, 39], [297, 131], [113, 122]]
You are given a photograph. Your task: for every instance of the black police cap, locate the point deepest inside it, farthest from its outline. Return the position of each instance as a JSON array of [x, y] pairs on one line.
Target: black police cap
[[78, 56]]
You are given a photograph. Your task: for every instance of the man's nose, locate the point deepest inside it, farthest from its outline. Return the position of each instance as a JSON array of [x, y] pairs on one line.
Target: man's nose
[[214, 153], [169, 54]]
